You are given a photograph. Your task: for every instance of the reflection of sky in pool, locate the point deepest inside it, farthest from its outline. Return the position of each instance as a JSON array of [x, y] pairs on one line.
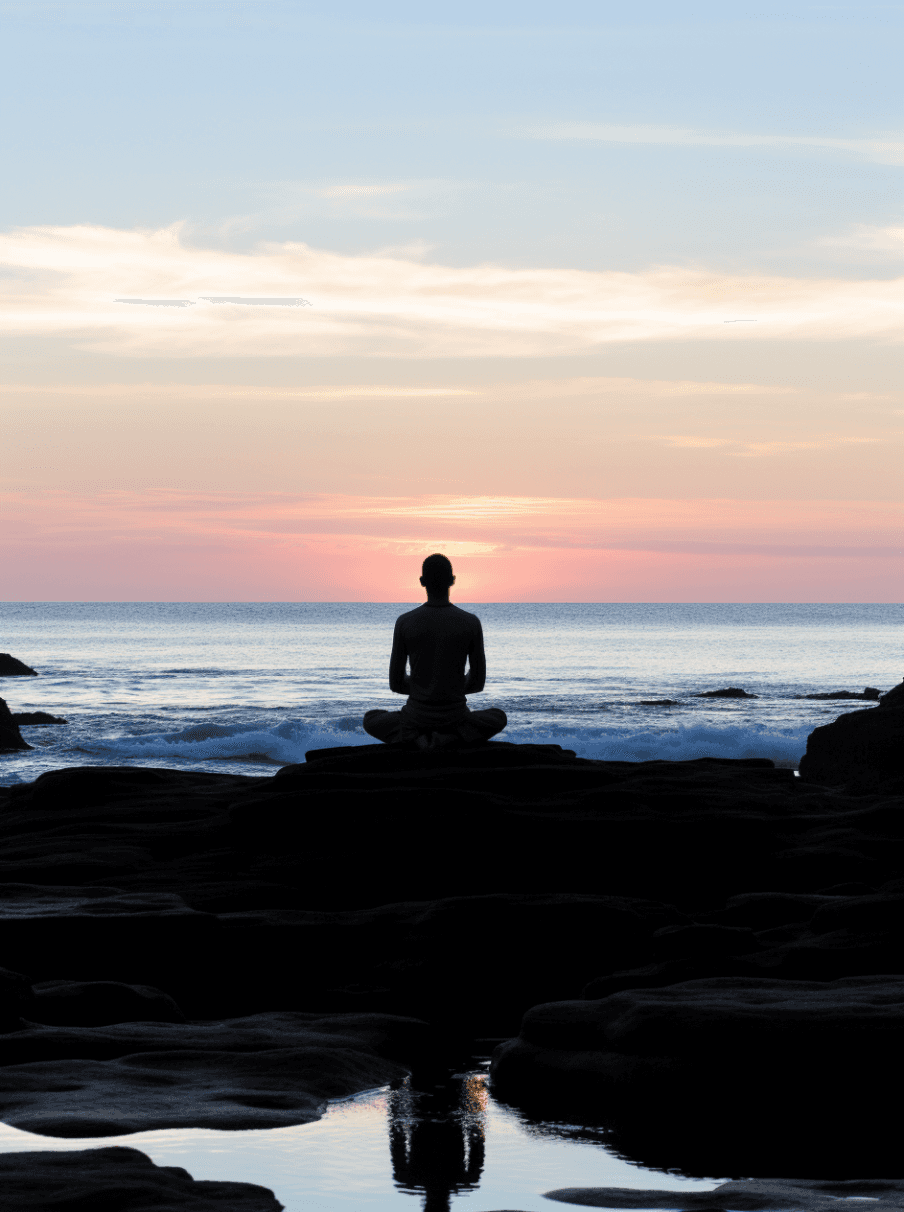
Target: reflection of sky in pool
[[480, 1151]]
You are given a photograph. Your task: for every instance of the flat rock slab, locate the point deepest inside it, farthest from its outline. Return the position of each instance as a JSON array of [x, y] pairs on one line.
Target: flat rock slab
[[118, 1180], [268, 1071], [206, 886], [748, 1195], [709, 1039]]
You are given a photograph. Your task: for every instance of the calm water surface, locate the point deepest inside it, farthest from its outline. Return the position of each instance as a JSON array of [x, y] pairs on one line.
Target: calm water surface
[[371, 1153]]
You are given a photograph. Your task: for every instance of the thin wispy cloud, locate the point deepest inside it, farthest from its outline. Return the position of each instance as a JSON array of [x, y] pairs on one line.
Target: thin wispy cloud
[[361, 191], [744, 449], [884, 149], [866, 238], [380, 306], [479, 525]]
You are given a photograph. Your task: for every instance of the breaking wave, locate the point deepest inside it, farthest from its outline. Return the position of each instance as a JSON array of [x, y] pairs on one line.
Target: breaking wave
[[288, 742]]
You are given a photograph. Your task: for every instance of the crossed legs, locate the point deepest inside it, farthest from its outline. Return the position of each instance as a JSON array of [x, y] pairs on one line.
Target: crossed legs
[[393, 727]]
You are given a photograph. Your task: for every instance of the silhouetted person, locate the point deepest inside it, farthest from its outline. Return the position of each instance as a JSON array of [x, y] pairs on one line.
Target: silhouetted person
[[437, 640]]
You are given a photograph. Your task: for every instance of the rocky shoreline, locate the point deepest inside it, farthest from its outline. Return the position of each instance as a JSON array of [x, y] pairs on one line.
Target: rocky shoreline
[[652, 940]]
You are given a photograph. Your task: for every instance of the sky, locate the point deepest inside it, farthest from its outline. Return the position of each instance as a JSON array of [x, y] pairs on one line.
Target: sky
[[605, 301]]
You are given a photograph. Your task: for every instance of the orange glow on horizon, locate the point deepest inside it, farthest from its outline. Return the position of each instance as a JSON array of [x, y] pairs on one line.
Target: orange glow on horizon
[[174, 546]]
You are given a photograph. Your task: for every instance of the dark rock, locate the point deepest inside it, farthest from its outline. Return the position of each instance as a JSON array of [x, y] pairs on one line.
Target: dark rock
[[266, 1071], [99, 1003], [117, 1180], [745, 1195], [103, 934], [10, 667], [199, 884], [668, 972], [730, 692], [36, 718], [869, 692], [784, 1055], [690, 1021], [864, 748], [893, 697], [765, 910], [695, 941], [852, 888], [10, 737], [413, 957], [15, 998], [309, 916]]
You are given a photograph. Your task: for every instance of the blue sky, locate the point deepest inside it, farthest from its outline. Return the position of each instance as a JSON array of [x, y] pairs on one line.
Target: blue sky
[[570, 134]]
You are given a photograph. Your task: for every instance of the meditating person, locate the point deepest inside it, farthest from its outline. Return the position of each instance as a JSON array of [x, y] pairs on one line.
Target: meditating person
[[436, 640]]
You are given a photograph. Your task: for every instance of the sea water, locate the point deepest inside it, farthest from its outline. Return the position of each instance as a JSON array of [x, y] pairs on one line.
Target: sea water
[[249, 687], [370, 1154]]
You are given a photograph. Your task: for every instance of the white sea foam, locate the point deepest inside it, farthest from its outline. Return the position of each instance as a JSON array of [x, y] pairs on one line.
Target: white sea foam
[[785, 745], [282, 745], [288, 742]]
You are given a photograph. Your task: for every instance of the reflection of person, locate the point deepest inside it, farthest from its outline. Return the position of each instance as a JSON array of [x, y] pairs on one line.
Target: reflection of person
[[436, 1142], [436, 639]]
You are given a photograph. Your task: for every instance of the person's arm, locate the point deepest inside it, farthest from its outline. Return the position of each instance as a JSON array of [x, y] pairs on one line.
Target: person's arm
[[477, 663], [399, 681]]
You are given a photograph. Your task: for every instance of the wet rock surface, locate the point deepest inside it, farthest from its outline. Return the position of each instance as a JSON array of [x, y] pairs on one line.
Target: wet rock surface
[[10, 737], [748, 1195], [764, 1032], [265, 1072], [464, 889], [117, 1178]]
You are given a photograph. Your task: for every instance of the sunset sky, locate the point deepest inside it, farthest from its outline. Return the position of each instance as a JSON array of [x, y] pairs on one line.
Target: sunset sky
[[604, 300]]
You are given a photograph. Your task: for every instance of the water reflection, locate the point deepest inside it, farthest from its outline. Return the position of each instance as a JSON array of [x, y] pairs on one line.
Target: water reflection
[[437, 1138]]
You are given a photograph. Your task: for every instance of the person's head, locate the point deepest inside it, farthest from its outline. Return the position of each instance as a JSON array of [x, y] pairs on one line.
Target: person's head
[[436, 575]]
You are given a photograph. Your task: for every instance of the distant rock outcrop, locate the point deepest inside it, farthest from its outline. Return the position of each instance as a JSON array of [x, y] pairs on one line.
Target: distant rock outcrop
[[869, 693], [10, 736], [729, 692], [865, 748], [10, 667], [36, 718]]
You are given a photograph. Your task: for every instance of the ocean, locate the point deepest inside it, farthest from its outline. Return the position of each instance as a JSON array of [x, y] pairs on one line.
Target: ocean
[[250, 686]]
